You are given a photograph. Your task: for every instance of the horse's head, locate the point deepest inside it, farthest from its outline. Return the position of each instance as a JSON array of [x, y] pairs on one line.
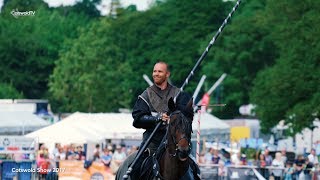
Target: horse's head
[[179, 130]]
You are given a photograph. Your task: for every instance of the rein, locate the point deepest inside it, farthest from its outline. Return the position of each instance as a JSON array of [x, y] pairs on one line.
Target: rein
[[173, 138]]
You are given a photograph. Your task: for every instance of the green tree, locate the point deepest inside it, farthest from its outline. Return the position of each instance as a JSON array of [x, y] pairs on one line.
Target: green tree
[[171, 31], [290, 89], [87, 7], [7, 91], [243, 49], [27, 5], [91, 76], [84, 9], [126, 48], [30, 44]]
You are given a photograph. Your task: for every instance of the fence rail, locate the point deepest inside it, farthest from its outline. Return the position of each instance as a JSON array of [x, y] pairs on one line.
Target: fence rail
[[243, 172], [12, 170]]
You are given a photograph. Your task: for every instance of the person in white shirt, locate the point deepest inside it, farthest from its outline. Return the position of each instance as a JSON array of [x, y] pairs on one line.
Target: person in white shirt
[[117, 158], [277, 163], [208, 156], [54, 151], [313, 158], [235, 158]]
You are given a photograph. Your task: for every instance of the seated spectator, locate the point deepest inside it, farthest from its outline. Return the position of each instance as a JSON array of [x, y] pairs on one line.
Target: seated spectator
[[243, 159], [118, 157], [261, 163], [42, 150], [111, 150], [55, 151], [299, 166], [208, 156], [80, 155], [106, 157], [227, 159], [71, 153], [268, 157], [215, 157], [43, 165], [300, 161], [308, 169], [313, 158], [288, 173], [40, 159], [235, 158], [96, 153], [61, 154]]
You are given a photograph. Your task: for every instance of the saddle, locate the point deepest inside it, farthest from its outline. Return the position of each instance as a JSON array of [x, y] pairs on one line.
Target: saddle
[[152, 161]]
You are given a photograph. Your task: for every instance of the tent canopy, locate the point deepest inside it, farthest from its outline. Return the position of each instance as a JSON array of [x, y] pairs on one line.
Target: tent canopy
[[18, 122], [96, 127], [210, 126], [89, 127]]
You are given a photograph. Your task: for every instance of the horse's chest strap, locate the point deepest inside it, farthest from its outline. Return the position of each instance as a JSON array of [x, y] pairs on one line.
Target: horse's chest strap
[[156, 168]]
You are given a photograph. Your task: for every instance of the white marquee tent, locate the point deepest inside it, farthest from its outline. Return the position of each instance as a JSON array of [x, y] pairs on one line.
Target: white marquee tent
[[89, 127], [96, 127], [17, 123], [211, 127]]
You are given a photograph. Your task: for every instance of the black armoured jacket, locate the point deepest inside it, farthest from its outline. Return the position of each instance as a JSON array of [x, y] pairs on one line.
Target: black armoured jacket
[[150, 104]]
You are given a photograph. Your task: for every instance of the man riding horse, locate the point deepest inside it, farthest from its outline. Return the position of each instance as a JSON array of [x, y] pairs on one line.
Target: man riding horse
[[152, 107]]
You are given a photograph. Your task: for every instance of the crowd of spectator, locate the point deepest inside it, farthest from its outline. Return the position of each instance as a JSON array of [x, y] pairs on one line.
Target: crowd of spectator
[[111, 156], [278, 165]]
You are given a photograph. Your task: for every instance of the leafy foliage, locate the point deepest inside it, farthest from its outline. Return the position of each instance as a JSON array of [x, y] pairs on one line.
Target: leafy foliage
[[30, 45], [9, 92], [243, 50], [133, 49], [84, 62], [290, 89], [87, 76]]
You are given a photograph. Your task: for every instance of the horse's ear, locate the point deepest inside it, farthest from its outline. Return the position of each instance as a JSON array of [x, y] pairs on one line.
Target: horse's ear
[[189, 106], [188, 110], [171, 105]]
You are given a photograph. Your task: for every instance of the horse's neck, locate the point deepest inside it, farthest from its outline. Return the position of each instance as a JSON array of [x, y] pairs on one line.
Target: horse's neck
[[171, 167]]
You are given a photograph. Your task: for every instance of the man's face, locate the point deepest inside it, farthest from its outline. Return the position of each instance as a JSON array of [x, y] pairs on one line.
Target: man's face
[[160, 73]]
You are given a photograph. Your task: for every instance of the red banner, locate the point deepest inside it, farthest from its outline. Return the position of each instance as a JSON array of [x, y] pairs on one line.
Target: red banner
[[205, 100]]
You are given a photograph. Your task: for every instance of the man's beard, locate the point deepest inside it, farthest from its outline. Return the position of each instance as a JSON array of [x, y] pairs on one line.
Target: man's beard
[[159, 80]]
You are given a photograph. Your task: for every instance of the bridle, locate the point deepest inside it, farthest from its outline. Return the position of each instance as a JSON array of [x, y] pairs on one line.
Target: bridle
[[178, 149]]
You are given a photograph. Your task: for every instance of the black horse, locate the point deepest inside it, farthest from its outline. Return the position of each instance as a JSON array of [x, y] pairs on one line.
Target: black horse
[[171, 161]]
